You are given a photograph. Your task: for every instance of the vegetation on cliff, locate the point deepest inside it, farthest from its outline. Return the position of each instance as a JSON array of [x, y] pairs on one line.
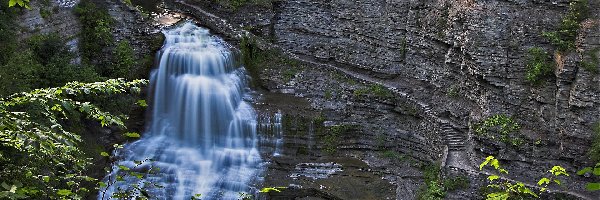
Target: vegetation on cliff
[[37, 130]]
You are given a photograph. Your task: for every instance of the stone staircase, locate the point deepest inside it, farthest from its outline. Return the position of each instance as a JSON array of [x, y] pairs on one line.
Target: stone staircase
[[455, 140]]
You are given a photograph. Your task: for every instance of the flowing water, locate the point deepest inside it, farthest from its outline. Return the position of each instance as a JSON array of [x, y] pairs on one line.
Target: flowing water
[[203, 134]]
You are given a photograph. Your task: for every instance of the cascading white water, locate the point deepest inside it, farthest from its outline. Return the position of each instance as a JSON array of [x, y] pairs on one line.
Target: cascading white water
[[203, 134]]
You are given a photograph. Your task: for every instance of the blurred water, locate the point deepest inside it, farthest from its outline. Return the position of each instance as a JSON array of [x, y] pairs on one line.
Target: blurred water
[[203, 134]]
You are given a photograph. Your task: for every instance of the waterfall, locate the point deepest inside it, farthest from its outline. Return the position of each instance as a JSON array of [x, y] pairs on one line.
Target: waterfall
[[203, 134]]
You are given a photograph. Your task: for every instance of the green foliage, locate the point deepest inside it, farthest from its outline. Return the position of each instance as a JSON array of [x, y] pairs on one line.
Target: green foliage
[[252, 58], [124, 60], [45, 13], [503, 190], [42, 61], [21, 3], [500, 127], [96, 33], [332, 137], [376, 90], [593, 61], [538, 65], [271, 189], [594, 151], [255, 60], [591, 186], [8, 37], [564, 38], [457, 183], [435, 188], [556, 172], [20, 73], [33, 136]]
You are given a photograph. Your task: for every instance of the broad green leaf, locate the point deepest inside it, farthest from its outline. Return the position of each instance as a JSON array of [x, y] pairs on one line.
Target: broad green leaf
[[584, 170], [493, 177], [102, 184], [557, 181], [498, 196], [64, 192], [124, 168], [142, 103], [597, 171], [543, 181], [70, 183], [104, 154], [46, 178], [592, 186], [12, 3], [5, 186]]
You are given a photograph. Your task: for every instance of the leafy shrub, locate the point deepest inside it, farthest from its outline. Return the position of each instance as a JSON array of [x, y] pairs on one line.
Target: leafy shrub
[[499, 189], [591, 186], [20, 73], [500, 127], [41, 61], [538, 65], [123, 61], [435, 188], [96, 32], [34, 136], [8, 37], [564, 37]]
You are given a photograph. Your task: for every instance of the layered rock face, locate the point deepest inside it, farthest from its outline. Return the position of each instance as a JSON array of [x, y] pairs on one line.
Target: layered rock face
[[450, 65]]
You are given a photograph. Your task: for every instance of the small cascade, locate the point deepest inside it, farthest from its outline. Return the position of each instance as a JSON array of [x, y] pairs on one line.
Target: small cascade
[[271, 129], [203, 134]]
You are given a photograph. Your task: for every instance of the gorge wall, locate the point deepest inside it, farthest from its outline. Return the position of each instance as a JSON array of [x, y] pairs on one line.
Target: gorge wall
[[444, 67], [449, 64]]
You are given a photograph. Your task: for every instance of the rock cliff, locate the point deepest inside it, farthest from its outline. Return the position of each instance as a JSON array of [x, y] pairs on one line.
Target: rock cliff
[[449, 65]]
